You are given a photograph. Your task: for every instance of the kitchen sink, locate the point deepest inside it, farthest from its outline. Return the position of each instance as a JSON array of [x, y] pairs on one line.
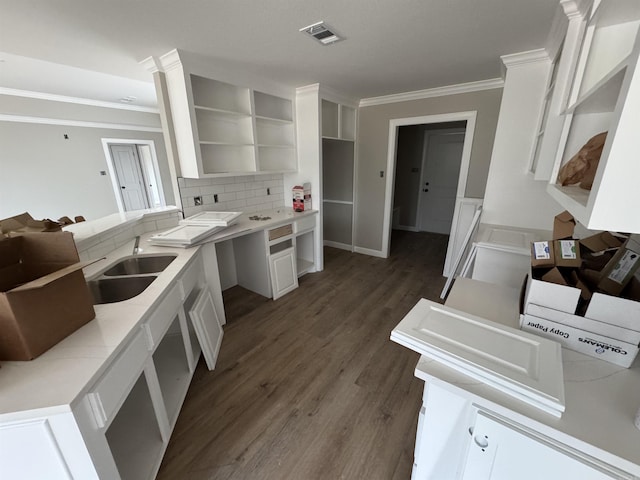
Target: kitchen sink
[[137, 265], [111, 290]]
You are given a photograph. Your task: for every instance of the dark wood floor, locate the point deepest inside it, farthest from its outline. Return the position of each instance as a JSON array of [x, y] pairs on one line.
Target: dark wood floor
[[310, 386]]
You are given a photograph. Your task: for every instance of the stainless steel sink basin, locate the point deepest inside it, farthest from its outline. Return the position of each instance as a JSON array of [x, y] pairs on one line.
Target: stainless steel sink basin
[[137, 265], [111, 290]]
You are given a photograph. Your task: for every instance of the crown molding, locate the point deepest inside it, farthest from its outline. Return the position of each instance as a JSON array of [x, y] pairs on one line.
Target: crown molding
[[77, 123], [523, 58], [308, 89], [77, 100], [151, 64], [170, 60], [434, 92]]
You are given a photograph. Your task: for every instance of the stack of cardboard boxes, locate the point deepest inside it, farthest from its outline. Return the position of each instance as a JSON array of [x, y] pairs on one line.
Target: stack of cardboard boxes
[[584, 293], [44, 296]]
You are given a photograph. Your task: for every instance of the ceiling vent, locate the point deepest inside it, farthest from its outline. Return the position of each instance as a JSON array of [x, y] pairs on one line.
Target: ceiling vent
[[322, 33]]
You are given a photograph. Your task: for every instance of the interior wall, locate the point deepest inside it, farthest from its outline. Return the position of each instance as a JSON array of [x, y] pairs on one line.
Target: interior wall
[[50, 176], [373, 140], [513, 196]]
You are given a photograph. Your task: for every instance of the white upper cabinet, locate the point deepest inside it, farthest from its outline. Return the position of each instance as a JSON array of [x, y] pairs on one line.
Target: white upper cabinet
[[604, 96], [338, 121], [225, 129]]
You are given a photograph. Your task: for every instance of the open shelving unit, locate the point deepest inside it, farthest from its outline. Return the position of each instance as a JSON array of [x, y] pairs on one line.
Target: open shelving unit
[[338, 161], [605, 96], [223, 129]]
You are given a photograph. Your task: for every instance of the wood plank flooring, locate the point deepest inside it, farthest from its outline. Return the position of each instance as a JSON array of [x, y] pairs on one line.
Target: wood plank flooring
[[310, 386]]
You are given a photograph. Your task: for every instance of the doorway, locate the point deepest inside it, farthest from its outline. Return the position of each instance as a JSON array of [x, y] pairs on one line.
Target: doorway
[[433, 192], [134, 172]]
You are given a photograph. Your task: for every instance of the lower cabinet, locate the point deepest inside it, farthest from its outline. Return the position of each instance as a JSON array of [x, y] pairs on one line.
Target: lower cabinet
[[458, 439], [121, 427], [283, 271], [502, 451]]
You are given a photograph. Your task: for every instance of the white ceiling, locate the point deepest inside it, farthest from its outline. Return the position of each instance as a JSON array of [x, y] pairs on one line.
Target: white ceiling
[[390, 46]]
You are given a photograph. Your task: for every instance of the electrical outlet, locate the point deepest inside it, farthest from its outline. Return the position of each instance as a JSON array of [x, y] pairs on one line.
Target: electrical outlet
[[268, 191], [215, 198], [197, 201]]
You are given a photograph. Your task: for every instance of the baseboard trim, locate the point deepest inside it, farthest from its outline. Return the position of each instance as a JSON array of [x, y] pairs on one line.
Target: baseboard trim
[[370, 252]]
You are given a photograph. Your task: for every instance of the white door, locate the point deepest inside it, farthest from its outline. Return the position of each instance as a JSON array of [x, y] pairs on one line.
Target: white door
[[129, 175], [439, 180]]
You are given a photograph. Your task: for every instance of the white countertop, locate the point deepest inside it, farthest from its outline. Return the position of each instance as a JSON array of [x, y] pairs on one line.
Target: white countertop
[[244, 225], [601, 399], [56, 379], [84, 231]]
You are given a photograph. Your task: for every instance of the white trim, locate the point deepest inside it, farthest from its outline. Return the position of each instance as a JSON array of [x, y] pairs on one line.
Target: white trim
[[434, 92], [469, 117], [151, 64], [523, 58], [14, 92], [406, 228], [308, 89], [114, 179], [340, 245], [341, 202], [370, 252], [170, 60], [77, 123]]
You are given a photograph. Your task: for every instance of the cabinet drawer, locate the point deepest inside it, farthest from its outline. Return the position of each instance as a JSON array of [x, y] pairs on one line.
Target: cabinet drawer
[[305, 223], [282, 231], [162, 316], [193, 276], [110, 391]]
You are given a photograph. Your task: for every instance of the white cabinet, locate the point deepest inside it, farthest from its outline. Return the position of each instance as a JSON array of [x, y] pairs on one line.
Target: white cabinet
[[502, 451], [225, 129], [283, 271], [605, 96], [338, 157]]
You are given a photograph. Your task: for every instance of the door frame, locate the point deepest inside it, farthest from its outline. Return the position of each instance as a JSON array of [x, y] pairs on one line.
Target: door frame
[[469, 117], [114, 177]]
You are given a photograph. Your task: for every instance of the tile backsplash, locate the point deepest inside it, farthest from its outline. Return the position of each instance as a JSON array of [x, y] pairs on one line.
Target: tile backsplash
[[245, 193]]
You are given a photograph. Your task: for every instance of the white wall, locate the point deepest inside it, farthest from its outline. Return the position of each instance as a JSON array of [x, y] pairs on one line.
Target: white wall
[[512, 196], [51, 176], [373, 142]]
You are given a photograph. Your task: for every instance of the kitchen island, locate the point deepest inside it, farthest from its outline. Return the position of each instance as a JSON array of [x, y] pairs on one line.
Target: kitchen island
[[469, 430]]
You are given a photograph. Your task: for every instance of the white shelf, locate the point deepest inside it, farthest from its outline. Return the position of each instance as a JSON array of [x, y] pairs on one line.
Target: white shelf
[[223, 129], [605, 97], [173, 372], [303, 266], [134, 436], [214, 94]]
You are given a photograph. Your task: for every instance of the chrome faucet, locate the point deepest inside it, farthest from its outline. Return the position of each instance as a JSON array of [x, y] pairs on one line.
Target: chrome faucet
[[135, 245]]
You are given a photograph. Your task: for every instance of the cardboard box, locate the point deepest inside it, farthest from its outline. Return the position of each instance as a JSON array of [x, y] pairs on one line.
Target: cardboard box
[[616, 332], [302, 197], [542, 254], [622, 312], [590, 343], [563, 225], [26, 223], [44, 296], [620, 270], [600, 242], [567, 253]]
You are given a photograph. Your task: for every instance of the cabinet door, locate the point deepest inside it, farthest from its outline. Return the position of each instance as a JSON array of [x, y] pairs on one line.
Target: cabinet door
[[284, 276], [207, 326], [501, 452]]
